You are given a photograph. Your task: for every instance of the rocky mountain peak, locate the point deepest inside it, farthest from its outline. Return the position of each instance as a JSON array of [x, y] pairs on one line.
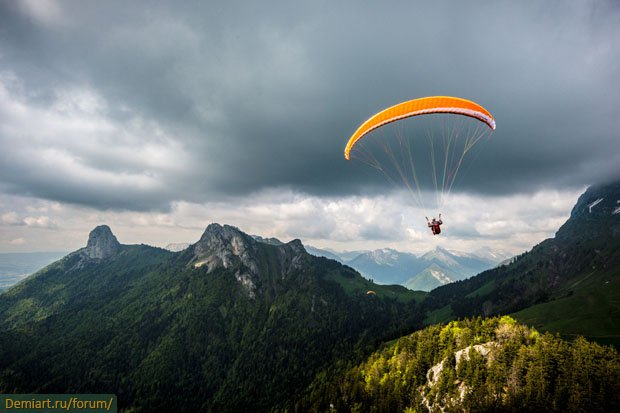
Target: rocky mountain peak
[[596, 214], [102, 243], [598, 201], [297, 246], [225, 246], [228, 247], [220, 243], [224, 233], [441, 255]]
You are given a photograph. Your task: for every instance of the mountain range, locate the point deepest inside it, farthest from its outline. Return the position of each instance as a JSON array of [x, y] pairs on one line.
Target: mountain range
[[228, 324], [424, 272], [389, 266], [384, 266], [236, 323]]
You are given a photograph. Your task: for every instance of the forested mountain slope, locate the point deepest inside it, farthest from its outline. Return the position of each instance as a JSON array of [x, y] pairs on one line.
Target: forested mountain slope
[[569, 283], [475, 365], [229, 324]]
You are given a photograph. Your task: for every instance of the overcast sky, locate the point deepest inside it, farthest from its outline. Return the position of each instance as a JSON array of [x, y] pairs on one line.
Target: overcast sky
[[158, 118]]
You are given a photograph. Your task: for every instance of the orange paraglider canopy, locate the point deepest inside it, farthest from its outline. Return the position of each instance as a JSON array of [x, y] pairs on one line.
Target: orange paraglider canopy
[[421, 106]]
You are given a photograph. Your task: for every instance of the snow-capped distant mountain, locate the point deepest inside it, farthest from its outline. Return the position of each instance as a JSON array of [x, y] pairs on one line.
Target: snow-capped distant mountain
[[445, 266], [318, 252], [430, 278], [387, 266], [434, 268], [385, 256], [463, 265], [442, 256], [342, 256], [492, 255], [348, 256], [177, 246]]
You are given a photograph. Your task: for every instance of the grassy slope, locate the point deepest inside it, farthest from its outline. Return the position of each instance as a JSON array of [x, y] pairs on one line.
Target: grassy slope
[[569, 285], [589, 306]]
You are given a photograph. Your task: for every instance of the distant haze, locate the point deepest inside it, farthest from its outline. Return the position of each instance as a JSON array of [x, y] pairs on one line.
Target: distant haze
[[16, 266]]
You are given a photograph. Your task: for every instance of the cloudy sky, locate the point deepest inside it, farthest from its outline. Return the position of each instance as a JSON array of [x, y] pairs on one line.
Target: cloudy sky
[[158, 118]]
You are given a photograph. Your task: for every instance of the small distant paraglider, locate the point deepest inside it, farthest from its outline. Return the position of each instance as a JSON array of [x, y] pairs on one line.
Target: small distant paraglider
[[371, 292]]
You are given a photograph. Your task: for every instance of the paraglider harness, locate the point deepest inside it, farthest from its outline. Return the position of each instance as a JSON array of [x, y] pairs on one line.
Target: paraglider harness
[[435, 225]]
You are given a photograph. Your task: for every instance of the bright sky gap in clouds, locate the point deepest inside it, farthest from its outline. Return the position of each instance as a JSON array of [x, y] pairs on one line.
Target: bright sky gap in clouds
[[159, 118]]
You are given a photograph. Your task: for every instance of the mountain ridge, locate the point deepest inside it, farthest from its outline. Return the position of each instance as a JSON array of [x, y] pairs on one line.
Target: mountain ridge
[[235, 324], [228, 324], [568, 284], [391, 266]]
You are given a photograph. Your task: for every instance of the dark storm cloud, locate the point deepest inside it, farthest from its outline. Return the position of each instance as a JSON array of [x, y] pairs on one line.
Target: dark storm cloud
[[251, 97]]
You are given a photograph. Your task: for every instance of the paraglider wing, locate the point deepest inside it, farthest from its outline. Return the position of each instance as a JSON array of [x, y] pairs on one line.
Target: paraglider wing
[[421, 106]]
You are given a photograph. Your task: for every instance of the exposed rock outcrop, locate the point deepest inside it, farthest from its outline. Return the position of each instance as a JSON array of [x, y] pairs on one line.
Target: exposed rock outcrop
[[596, 215], [434, 373], [102, 243], [225, 246]]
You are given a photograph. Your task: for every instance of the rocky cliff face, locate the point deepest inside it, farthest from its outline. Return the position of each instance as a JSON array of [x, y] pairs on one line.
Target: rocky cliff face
[[595, 215], [225, 246], [101, 243], [228, 247], [291, 257]]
